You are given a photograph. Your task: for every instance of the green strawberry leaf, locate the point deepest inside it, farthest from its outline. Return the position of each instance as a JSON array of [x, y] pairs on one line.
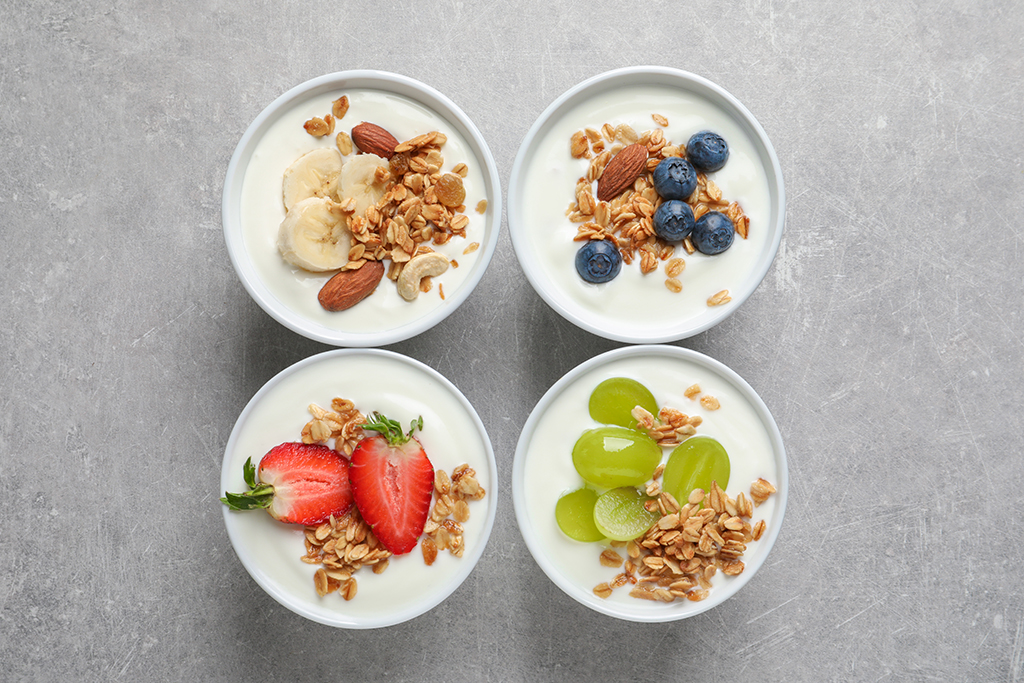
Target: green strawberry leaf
[[391, 429], [249, 473], [257, 497]]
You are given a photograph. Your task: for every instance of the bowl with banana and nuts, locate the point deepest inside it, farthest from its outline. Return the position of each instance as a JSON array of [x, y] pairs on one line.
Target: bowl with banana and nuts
[[361, 208]]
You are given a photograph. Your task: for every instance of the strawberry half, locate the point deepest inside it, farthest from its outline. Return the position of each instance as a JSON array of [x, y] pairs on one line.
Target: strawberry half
[[300, 484], [392, 483]]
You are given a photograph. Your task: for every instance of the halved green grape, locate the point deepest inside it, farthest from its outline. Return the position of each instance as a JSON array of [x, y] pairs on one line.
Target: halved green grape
[[620, 513], [694, 464], [613, 400], [615, 456], [575, 515]]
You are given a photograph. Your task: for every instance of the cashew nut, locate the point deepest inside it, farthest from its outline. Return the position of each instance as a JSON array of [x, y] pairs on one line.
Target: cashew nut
[[419, 267]]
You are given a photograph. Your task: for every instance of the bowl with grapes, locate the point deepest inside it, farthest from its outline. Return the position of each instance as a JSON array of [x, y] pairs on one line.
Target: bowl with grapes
[[650, 483]]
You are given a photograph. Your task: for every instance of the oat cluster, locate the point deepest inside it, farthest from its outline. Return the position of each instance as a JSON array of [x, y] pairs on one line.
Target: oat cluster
[[345, 545], [678, 556], [670, 428], [341, 423], [451, 496], [628, 219]]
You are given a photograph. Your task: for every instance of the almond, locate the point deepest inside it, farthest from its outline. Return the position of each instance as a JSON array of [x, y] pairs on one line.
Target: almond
[[621, 172], [372, 139], [349, 287]]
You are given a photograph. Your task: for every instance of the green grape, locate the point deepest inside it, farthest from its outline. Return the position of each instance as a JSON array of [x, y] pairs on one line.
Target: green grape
[[620, 513], [694, 464], [613, 400], [574, 512], [615, 456]]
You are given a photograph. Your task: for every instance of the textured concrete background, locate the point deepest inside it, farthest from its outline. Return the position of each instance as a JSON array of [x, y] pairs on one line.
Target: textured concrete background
[[887, 339]]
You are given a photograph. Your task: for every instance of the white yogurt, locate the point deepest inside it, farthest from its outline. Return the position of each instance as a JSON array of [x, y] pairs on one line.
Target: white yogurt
[[549, 473], [373, 380], [641, 302], [262, 209]]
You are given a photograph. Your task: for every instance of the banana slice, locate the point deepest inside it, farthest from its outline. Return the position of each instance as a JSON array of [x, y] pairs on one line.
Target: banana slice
[[314, 174], [315, 235], [358, 181]]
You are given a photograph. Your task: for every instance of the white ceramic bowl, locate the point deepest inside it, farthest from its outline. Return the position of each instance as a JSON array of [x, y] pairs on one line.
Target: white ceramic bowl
[[252, 207], [543, 469], [638, 308], [402, 389]]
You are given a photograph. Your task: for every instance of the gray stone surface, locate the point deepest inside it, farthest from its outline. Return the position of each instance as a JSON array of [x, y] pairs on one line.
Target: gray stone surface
[[887, 339]]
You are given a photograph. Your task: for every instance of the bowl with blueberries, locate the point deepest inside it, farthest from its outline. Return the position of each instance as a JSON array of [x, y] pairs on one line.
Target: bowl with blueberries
[[646, 204]]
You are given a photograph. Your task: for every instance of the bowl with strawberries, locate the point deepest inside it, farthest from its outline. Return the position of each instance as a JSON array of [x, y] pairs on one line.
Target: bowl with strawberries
[[354, 504]]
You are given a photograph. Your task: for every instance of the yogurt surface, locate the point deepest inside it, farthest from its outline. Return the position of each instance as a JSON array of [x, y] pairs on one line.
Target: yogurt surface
[[262, 209], [547, 470], [402, 390], [640, 301]]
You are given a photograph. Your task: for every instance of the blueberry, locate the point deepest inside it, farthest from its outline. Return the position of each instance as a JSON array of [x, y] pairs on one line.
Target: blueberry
[[707, 151], [675, 178], [713, 233], [673, 220], [598, 261]]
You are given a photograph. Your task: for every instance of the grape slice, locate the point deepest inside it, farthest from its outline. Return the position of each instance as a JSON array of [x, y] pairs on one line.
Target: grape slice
[[613, 400], [615, 456], [694, 464], [620, 513], [574, 513]]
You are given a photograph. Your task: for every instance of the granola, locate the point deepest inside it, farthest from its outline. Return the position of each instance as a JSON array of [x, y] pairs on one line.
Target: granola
[[683, 550]]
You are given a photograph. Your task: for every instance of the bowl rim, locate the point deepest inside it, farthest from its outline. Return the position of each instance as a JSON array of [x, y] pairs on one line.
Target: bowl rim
[[644, 613], [369, 79], [280, 594], [631, 76]]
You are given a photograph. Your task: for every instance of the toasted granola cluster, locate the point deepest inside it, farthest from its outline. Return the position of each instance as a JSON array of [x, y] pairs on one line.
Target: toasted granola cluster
[[672, 426], [680, 553], [343, 546], [443, 530], [669, 428], [341, 423]]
